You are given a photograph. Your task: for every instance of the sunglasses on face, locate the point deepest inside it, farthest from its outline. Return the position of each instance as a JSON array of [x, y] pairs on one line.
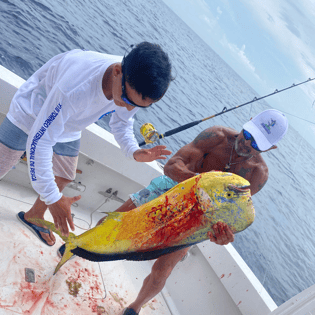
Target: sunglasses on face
[[124, 96], [248, 136]]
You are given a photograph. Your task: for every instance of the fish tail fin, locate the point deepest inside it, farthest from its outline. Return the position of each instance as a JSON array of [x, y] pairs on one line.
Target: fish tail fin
[[52, 227], [65, 257]]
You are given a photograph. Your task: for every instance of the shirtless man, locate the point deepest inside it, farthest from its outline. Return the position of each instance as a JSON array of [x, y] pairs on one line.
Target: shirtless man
[[217, 148]]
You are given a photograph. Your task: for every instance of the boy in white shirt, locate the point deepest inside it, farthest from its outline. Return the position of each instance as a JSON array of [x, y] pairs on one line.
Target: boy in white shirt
[[71, 91]]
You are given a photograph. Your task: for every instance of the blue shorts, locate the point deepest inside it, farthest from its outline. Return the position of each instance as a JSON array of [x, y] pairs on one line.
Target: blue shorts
[[15, 138], [157, 187]]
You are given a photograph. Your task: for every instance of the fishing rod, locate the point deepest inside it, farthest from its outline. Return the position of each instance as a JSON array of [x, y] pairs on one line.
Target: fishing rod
[[151, 135]]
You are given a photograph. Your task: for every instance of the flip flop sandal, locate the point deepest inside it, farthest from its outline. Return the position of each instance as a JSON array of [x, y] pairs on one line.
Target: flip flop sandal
[[129, 311], [33, 228]]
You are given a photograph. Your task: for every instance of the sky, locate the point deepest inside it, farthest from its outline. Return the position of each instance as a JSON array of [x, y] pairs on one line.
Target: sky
[[269, 43]]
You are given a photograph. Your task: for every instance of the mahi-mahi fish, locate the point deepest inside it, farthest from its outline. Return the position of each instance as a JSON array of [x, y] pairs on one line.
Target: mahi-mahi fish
[[179, 218]]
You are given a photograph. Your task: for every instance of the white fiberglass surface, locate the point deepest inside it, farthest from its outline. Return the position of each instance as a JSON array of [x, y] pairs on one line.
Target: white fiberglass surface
[[80, 287]]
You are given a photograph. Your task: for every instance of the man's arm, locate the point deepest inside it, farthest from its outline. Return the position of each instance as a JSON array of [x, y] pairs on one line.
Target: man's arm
[[181, 166], [185, 162], [257, 177], [121, 125], [43, 135], [148, 155]]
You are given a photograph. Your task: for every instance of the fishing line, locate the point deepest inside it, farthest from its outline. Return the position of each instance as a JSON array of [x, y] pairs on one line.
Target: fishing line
[[151, 135], [80, 226], [297, 158], [298, 117], [250, 112]]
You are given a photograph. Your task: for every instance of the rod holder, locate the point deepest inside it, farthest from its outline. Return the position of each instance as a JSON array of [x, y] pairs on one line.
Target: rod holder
[[113, 196], [77, 186]]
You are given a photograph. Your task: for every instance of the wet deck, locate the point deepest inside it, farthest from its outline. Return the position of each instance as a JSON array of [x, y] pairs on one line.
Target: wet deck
[[80, 287]]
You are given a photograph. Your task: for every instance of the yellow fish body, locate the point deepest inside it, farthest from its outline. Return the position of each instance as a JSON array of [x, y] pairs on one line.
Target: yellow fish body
[[179, 218]]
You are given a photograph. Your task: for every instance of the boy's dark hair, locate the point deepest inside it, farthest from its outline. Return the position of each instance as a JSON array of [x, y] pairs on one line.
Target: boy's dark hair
[[147, 69]]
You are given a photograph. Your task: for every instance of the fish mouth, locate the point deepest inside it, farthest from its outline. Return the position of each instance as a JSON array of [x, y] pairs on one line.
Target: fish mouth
[[239, 189]]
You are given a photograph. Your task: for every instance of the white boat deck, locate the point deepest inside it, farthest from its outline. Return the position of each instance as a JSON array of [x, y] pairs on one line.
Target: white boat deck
[[108, 286]]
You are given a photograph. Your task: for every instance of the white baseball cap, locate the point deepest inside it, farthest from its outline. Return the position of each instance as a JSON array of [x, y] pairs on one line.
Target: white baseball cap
[[267, 128]]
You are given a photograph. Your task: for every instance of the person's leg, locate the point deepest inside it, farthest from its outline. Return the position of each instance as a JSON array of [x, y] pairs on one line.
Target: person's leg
[[157, 187], [39, 208], [164, 265], [155, 281], [8, 158], [65, 159], [12, 146]]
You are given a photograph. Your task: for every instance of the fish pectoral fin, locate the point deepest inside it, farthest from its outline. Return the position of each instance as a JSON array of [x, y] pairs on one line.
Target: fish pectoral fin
[[66, 256], [203, 199], [52, 227], [111, 215]]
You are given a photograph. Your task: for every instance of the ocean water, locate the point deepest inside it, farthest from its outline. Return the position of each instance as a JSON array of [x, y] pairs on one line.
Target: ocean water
[[279, 247]]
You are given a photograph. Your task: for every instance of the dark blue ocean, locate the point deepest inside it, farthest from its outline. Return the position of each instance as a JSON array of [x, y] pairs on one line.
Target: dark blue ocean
[[279, 247]]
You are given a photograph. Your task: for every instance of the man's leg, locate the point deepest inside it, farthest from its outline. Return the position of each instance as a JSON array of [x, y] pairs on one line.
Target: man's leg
[[8, 159], [39, 208], [164, 265], [12, 146], [155, 281], [65, 160], [156, 188]]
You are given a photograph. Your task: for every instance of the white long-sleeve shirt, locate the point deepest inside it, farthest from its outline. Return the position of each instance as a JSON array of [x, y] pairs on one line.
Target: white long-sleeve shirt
[[58, 101]]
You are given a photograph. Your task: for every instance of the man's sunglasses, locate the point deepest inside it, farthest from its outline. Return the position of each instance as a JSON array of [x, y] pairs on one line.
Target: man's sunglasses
[[248, 136], [124, 96]]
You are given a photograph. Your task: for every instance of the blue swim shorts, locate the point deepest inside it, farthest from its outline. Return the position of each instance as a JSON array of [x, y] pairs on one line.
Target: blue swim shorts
[[157, 187], [15, 138]]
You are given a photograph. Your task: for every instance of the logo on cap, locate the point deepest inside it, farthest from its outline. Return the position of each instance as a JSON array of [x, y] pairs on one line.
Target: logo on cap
[[267, 127]]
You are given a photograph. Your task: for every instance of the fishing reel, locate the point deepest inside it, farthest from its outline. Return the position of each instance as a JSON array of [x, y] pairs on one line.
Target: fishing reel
[[149, 133]]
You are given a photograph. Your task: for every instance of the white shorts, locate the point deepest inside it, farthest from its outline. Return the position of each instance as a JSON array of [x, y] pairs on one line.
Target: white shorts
[[13, 144]]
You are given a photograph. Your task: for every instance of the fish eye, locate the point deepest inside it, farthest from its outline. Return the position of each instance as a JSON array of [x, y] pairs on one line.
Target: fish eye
[[230, 194]]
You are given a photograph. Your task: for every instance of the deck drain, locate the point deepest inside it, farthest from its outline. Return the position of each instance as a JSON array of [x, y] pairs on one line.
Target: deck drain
[[29, 275]]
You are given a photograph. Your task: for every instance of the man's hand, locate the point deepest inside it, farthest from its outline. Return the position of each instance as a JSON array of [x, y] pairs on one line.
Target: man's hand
[[149, 155], [61, 212], [222, 234]]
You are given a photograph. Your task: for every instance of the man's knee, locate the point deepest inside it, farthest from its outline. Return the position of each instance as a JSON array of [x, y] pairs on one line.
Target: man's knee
[[8, 158], [127, 206], [158, 186], [62, 182], [165, 264], [65, 166], [159, 275]]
